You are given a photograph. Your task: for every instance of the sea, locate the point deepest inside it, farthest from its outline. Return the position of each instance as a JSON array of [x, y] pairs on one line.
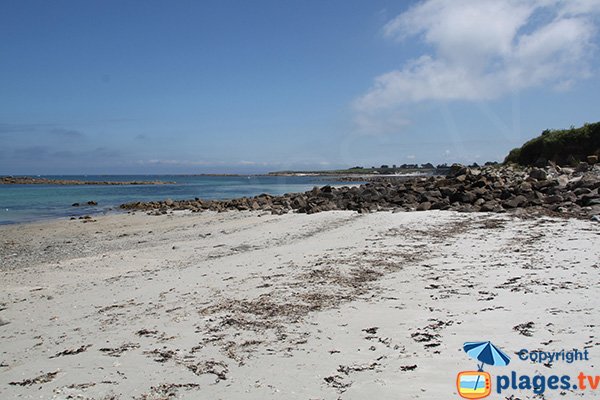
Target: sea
[[27, 203]]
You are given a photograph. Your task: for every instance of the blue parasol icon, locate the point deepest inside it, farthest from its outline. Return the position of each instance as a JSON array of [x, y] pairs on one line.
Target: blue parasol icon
[[487, 353]]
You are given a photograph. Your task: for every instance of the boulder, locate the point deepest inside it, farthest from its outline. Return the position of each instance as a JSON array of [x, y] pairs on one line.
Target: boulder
[[538, 174], [515, 201], [490, 206], [468, 190], [457, 170], [583, 167], [424, 206], [553, 199]]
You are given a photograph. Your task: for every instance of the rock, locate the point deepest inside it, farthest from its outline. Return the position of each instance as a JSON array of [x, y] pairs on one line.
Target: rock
[[539, 185], [525, 187], [582, 167], [515, 201], [581, 191], [466, 197], [457, 169], [592, 202], [468, 190], [553, 199], [424, 206], [447, 191], [299, 202], [592, 160], [92, 203], [75, 205], [490, 206], [596, 218], [479, 202], [538, 174]]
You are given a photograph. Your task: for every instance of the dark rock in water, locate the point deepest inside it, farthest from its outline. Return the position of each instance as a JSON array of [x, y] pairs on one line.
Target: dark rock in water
[[92, 203], [75, 205]]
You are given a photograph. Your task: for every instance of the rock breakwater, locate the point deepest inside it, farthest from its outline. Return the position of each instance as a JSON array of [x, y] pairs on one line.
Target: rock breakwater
[[570, 191]]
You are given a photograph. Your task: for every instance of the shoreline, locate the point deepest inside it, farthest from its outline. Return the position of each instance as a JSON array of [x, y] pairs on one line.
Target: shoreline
[[251, 305]]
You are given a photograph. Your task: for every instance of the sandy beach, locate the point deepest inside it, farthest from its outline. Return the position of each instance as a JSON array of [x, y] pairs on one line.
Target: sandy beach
[[249, 305]]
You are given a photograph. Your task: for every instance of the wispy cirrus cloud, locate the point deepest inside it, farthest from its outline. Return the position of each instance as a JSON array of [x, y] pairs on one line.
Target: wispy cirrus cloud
[[482, 50]]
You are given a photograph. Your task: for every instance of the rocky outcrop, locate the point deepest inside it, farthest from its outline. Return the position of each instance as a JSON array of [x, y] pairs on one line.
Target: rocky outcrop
[[492, 189]]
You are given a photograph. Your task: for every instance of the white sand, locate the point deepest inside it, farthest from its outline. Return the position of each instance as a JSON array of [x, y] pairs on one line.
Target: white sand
[[243, 306]]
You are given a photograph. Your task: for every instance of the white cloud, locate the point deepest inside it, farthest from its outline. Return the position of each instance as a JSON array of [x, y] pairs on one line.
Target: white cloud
[[482, 49]]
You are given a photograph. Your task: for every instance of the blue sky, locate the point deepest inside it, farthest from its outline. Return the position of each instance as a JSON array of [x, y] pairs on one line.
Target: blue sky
[[255, 86]]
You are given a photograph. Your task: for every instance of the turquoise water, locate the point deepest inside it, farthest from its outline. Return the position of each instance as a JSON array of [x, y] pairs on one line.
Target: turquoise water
[[22, 203]]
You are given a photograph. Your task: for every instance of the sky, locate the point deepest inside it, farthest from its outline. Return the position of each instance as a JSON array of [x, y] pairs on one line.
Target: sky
[[223, 86]]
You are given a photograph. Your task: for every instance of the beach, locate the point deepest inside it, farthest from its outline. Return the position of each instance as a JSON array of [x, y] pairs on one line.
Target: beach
[[250, 305]]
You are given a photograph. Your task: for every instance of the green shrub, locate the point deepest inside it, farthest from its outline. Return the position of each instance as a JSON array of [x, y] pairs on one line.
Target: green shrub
[[566, 146]]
